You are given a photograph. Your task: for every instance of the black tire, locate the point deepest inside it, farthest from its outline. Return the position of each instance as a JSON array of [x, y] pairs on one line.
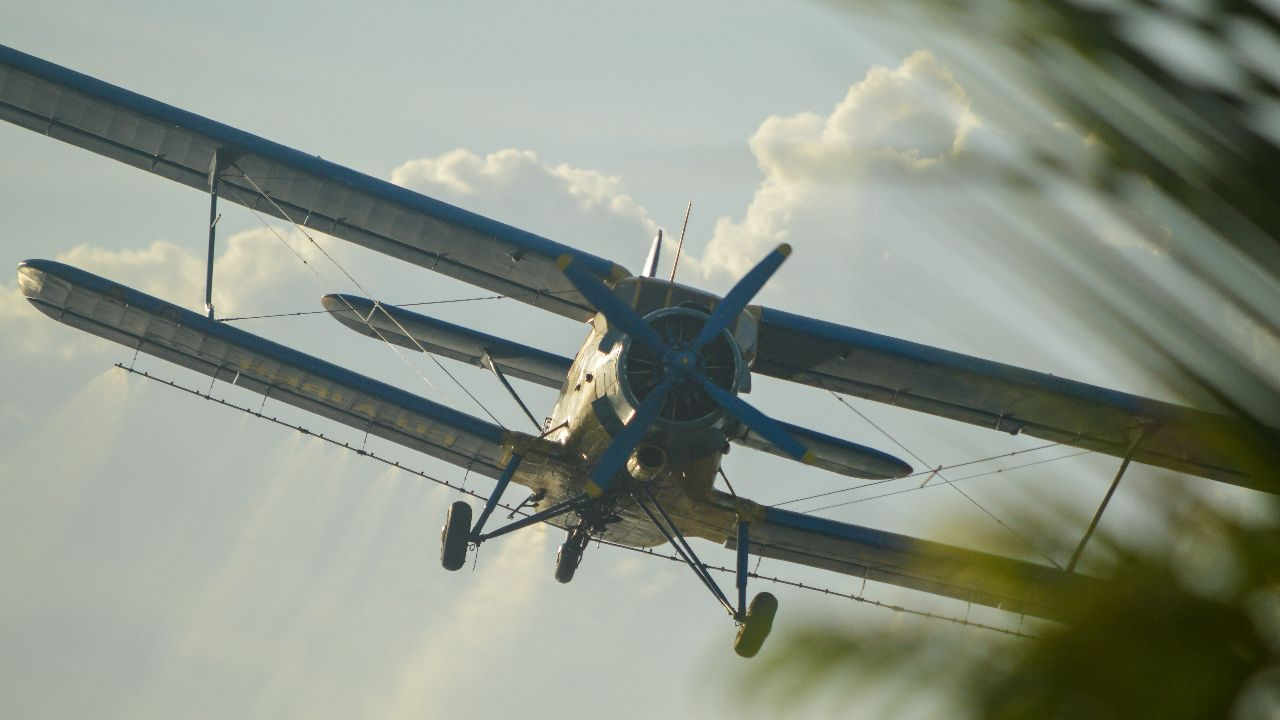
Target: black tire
[[567, 560], [755, 628], [455, 535]]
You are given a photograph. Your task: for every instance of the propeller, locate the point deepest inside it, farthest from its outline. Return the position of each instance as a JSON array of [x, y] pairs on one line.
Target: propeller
[[680, 364]]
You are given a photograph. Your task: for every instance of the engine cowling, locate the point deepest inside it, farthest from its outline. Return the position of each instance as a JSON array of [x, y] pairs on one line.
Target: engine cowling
[[687, 404]]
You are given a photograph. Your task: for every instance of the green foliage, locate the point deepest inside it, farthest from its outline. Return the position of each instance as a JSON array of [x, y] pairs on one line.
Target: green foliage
[[1188, 634], [1192, 630]]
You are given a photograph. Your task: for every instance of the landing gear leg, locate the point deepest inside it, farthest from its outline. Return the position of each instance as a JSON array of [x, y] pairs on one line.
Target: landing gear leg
[[756, 620], [457, 533], [570, 554]]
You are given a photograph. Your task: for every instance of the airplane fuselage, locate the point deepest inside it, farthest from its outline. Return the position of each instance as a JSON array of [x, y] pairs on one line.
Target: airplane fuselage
[[680, 455]]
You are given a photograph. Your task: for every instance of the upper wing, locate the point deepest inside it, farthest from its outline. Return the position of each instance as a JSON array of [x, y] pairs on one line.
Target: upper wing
[[291, 185], [1012, 585], [1014, 400], [104, 308]]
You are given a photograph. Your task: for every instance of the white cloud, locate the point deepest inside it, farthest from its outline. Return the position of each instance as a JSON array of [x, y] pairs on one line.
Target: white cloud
[[585, 209], [899, 225], [845, 188], [162, 269], [253, 270], [915, 115]]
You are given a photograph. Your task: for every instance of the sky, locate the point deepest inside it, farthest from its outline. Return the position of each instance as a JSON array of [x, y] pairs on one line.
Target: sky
[[163, 555]]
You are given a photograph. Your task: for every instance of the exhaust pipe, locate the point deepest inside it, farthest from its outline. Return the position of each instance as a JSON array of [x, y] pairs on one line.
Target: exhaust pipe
[[646, 462]]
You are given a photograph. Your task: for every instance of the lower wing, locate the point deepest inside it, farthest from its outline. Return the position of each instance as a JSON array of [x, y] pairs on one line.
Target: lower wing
[[150, 325], [1012, 585]]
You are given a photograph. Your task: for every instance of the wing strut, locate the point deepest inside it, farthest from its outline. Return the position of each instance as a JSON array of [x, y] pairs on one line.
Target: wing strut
[[215, 167], [754, 621], [496, 495], [672, 533], [1093, 524], [502, 378]]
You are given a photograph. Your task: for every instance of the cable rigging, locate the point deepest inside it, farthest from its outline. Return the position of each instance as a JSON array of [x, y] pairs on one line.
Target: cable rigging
[[937, 472], [377, 305], [966, 477], [918, 474]]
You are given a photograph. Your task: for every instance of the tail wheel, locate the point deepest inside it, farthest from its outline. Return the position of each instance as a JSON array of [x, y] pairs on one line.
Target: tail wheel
[[455, 535], [756, 626]]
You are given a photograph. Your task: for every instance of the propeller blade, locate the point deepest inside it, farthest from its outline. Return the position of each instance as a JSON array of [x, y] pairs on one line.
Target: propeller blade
[[761, 424], [615, 456], [618, 312], [731, 306]]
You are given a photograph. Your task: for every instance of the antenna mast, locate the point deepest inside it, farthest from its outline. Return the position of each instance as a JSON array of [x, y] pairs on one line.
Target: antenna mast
[[680, 244]]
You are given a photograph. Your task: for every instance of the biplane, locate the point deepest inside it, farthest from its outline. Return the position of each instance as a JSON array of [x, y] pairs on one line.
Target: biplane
[[647, 406]]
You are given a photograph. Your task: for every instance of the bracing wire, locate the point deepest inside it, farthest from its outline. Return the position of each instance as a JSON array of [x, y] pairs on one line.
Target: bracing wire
[[377, 306], [997, 471], [325, 282], [299, 313], [937, 472], [930, 471]]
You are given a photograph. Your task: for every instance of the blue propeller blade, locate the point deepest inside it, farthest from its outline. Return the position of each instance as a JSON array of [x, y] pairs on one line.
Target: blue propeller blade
[[763, 425], [624, 442], [731, 306], [618, 312]]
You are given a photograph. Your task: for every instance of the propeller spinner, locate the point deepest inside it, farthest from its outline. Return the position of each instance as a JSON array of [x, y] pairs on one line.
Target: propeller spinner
[[675, 362]]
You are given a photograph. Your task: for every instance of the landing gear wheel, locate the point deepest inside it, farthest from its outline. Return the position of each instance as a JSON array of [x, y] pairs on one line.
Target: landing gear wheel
[[570, 555], [455, 535], [756, 626]]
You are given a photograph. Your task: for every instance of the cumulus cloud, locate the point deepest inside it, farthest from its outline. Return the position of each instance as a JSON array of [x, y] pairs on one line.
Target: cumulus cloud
[[252, 271], [163, 269], [915, 115], [583, 208], [832, 184], [904, 223]]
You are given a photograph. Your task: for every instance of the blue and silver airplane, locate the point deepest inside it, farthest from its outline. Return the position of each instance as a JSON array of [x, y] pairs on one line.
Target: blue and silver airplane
[[647, 406]]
